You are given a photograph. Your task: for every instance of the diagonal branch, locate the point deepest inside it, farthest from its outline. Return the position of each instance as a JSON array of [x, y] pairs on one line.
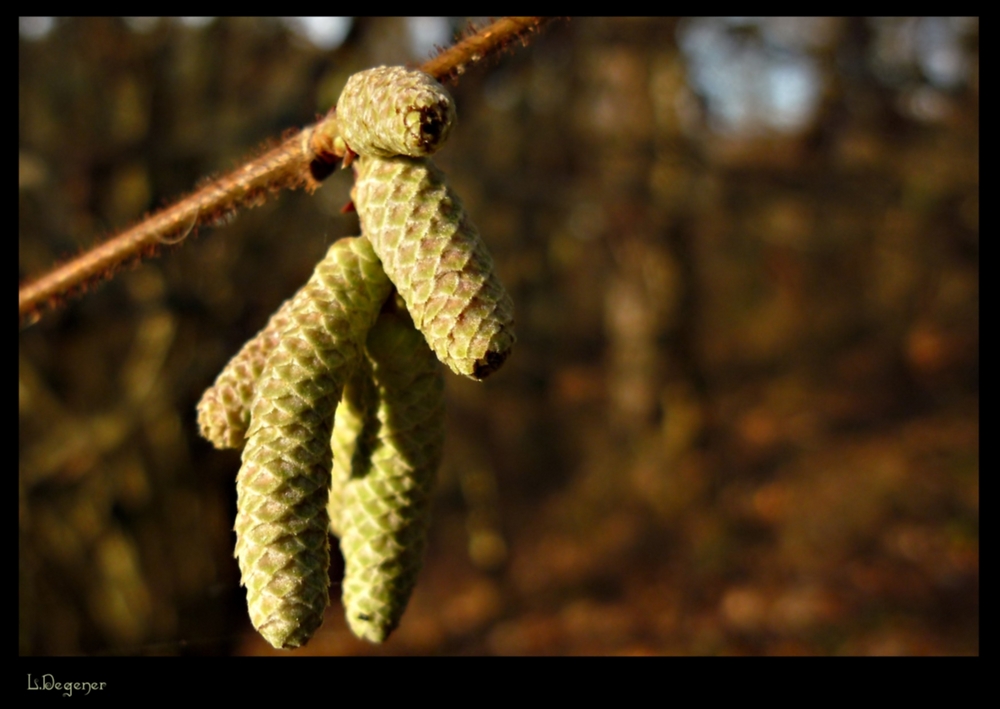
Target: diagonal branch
[[302, 160]]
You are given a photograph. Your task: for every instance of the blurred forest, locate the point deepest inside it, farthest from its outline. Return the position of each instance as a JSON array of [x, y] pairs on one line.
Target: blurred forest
[[742, 416]]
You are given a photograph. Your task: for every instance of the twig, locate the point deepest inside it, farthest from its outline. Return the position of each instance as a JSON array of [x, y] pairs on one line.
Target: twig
[[302, 160], [453, 62]]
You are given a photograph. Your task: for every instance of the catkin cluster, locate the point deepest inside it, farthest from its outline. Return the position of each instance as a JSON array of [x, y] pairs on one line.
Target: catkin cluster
[[338, 402], [283, 484]]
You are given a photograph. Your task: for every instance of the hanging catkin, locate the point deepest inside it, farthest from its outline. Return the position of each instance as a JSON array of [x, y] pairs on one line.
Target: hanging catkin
[[283, 484], [432, 252], [386, 493], [224, 409]]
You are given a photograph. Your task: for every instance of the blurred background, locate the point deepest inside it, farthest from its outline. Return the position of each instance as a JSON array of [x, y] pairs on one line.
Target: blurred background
[[742, 416]]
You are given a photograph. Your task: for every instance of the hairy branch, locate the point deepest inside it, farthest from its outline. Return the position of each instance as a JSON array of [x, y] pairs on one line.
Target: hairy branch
[[301, 160]]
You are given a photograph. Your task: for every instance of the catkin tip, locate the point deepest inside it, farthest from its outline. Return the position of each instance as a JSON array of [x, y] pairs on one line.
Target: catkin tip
[[489, 364], [289, 636], [364, 628]]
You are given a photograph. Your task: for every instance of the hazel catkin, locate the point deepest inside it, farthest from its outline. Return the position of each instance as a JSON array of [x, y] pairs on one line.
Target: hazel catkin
[[434, 255], [224, 408]]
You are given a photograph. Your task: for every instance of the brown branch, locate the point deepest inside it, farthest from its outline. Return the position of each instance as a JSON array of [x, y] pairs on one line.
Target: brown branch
[[302, 160], [485, 42]]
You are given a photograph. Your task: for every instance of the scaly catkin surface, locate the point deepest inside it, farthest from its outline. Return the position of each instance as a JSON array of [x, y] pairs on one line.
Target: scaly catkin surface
[[224, 409], [386, 504], [283, 484], [433, 254], [392, 110]]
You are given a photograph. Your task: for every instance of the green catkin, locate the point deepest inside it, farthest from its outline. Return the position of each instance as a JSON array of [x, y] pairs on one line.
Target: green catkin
[[279, 395], [385, 510], [283, 484], [433, 254], [224, 409], [391, 110]]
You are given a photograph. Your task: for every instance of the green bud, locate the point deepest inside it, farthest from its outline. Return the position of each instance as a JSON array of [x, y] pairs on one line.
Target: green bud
[[391, 110], [283, 484], [386, 493], [432, 252]]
